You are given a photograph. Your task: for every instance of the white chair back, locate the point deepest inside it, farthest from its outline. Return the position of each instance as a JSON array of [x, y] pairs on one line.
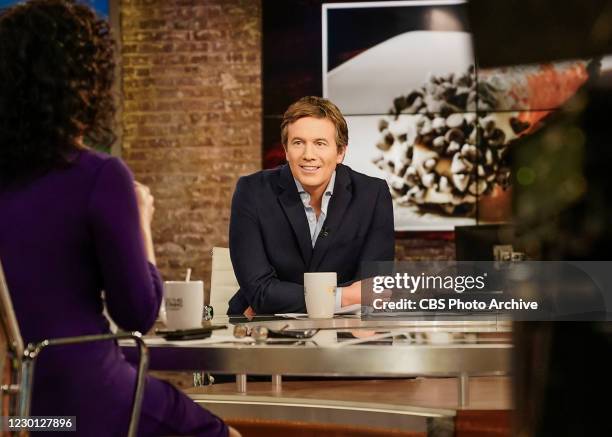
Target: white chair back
[[223, 282]]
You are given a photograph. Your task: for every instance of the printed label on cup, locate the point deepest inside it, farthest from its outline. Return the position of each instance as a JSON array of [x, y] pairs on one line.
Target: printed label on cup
[[184, 304], [174, 303]]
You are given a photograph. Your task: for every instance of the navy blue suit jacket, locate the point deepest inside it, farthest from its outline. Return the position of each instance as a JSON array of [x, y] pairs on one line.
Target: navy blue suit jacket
[[270, 242]]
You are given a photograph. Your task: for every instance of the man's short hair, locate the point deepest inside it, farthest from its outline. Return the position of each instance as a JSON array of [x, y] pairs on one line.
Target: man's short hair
[[317, 107]]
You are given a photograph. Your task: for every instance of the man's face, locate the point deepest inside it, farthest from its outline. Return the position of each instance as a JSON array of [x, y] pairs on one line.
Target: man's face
[[311, 151]]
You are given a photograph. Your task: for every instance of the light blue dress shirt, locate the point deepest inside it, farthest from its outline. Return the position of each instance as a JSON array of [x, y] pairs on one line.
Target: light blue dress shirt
[[316, 224]]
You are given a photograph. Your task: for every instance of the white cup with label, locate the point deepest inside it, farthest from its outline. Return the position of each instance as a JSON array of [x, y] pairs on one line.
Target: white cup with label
[[184, 304], [320, 294]]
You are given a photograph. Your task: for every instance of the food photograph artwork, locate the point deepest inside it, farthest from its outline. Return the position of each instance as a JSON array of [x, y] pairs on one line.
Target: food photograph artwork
[[425, 118]]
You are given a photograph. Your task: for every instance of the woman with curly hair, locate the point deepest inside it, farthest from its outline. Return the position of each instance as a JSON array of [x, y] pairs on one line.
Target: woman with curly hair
[[73, 223]]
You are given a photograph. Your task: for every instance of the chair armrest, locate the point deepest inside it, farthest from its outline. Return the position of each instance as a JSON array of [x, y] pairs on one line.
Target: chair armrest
[[33, 349]]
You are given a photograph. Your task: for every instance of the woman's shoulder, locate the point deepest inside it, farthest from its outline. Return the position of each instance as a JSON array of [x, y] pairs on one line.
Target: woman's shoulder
[[97, 163], [92, 159]]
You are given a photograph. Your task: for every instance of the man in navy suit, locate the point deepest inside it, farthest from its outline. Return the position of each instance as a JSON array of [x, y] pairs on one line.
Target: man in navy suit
[[313, 214]]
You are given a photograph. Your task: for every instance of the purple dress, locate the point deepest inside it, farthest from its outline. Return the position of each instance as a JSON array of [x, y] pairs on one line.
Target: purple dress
[[64, 237]]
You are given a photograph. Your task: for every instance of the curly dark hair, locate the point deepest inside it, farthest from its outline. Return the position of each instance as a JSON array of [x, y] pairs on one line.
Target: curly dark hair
[[56, 74]]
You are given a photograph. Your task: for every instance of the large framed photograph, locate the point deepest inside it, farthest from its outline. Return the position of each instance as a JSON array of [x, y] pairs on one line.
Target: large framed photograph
[[424, 117], [400, 72]]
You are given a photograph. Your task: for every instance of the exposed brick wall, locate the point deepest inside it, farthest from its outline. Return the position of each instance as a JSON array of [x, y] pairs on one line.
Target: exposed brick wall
[[421, 249], [191, 117]]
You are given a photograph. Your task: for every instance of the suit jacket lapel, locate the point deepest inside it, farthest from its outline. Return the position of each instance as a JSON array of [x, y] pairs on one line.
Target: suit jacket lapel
[[338, 204], [294, 210]]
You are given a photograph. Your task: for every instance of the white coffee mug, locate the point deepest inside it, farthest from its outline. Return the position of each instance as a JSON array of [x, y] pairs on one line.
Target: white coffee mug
[[320, 294], [184, 304]]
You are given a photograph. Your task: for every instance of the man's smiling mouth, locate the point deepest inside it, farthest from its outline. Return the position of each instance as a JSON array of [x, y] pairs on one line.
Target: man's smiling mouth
[[309, 168]]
